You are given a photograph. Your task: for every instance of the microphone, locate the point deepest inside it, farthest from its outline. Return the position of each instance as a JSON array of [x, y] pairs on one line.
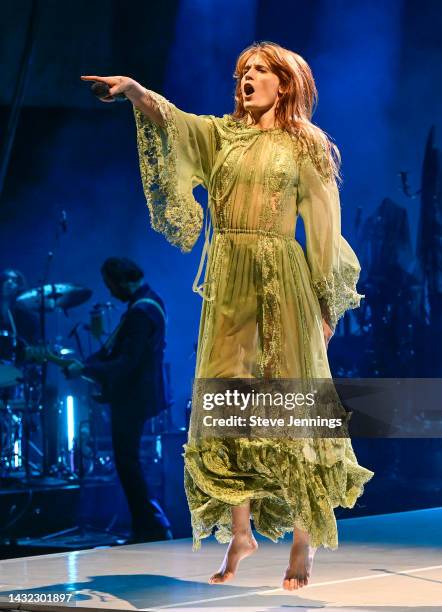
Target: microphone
[[97, 322], [101, 90]]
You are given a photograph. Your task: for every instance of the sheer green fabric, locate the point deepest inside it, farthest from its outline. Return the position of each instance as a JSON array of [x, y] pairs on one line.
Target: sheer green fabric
[[263, 303]]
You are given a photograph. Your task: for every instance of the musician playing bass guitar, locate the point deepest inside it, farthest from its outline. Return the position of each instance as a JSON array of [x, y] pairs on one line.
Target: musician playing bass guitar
[[129, 368]]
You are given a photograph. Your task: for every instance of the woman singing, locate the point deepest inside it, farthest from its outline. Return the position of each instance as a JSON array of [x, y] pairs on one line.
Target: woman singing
[[268, 310]]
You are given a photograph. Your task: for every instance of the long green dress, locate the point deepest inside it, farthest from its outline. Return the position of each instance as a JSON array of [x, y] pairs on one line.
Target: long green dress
[[263, 303]]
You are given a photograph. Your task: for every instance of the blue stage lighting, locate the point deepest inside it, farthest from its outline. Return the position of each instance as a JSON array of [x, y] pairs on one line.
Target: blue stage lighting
[[70, 405]]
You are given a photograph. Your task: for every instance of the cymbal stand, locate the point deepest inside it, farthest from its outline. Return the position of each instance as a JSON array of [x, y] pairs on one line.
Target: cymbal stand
[[60, 228]]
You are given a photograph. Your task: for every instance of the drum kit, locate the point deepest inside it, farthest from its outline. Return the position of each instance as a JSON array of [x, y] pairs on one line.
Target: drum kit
[[24, 396]]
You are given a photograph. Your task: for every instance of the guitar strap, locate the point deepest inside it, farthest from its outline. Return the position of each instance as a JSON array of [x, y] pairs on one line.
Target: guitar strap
[[154, 303], [111, 339]]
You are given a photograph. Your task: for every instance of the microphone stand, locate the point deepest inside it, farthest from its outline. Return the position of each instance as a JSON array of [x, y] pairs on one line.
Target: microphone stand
[[74, 334], [60, 228], [44, 367]]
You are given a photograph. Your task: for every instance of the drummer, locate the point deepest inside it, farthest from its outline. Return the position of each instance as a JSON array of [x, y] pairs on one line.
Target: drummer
[[16, 322]]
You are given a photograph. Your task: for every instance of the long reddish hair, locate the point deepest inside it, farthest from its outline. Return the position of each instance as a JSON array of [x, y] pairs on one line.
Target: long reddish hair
[[296, 105]]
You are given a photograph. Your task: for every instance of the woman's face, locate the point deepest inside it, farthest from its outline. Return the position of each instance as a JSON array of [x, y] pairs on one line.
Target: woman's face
[[259, 85]]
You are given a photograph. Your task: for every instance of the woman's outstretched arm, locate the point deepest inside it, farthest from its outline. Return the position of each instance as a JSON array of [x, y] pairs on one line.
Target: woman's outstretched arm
[[176, 152], [136, 93]]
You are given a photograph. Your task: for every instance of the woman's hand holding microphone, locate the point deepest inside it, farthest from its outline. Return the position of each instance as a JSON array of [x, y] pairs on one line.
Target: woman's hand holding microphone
[[122, 86]]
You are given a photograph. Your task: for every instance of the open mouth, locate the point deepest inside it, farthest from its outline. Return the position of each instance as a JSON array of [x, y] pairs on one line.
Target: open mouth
[[248, 89]]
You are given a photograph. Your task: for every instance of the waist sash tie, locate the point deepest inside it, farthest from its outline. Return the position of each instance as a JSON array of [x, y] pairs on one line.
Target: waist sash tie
[[200, 289]]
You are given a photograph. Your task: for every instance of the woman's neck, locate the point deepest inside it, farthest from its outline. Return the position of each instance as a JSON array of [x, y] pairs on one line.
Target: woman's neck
[[264, 120]]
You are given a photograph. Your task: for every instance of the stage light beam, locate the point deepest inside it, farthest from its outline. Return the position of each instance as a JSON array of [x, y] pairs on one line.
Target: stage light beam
[[70, 421]]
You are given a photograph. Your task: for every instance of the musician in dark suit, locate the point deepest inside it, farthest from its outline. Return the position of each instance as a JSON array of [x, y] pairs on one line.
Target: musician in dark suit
[[130, 371]]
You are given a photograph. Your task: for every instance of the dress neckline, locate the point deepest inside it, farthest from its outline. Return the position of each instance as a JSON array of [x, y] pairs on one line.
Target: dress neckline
[[274, 129], [241, 124]]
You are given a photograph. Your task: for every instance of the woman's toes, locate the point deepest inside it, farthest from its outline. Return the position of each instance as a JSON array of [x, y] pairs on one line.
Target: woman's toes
[[214, 579], [219, 577]]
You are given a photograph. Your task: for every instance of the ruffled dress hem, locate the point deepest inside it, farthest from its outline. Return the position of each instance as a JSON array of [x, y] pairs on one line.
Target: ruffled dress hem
[[286, 487]]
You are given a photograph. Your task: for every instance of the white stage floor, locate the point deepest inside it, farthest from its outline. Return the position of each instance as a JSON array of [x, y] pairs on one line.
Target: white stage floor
[[388, 562]]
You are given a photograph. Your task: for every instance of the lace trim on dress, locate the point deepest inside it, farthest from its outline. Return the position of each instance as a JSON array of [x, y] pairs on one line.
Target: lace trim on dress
[[280, 478], [175, 214], [338, 293]]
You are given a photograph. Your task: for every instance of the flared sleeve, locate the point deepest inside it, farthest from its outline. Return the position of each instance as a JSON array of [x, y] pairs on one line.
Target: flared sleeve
[[174, 159], [333, 264]]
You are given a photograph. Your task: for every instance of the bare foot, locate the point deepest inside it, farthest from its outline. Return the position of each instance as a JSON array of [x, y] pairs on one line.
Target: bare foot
[[241, 545], [300, 565]]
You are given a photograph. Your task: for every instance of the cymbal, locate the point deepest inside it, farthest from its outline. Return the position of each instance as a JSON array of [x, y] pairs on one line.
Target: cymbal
[[58, 295]]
